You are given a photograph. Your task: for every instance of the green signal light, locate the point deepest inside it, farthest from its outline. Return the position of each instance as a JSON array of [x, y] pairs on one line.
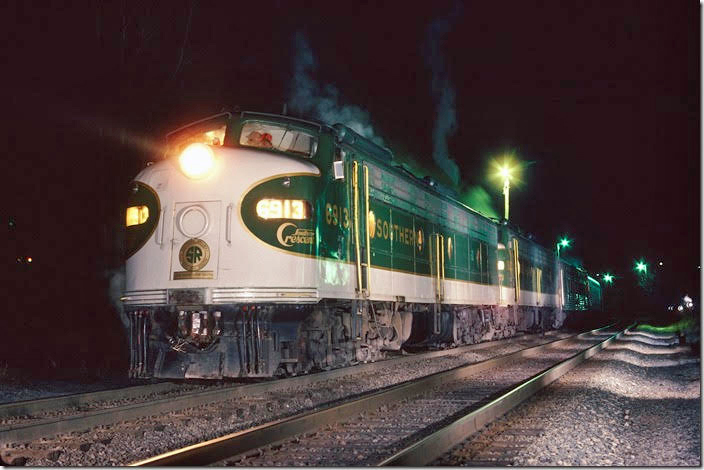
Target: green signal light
[[608, 278], [564, 243], [641, 267]]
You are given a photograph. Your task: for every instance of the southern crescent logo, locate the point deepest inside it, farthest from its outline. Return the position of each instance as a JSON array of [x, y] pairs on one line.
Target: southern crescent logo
[[280, 233]]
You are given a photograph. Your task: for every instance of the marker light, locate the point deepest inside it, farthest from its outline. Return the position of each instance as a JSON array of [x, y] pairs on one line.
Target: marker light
[[197, 161], [136, 215]]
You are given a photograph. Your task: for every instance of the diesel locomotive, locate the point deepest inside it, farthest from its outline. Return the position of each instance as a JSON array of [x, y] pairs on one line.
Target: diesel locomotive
[[266, 245]]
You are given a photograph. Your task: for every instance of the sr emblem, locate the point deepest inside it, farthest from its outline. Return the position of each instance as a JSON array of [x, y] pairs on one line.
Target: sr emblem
[[194, 254]]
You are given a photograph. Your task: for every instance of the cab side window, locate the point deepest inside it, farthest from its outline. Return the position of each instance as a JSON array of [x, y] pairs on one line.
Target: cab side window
[[278, 137]]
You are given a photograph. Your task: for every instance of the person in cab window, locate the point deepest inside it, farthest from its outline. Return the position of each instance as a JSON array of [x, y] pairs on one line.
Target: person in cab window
[[258, 139]]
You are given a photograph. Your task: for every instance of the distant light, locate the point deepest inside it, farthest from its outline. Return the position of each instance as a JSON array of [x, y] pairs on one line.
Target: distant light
[[608, 278], [29, 259], [641, 266], [680, 308], [688, 301], [506, 169], [660, 263]]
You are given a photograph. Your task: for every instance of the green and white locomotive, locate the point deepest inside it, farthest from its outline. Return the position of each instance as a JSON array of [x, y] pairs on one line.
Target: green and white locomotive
[[267, 245]]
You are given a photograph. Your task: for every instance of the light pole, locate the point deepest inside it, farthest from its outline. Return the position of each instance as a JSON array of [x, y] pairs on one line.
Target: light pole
[[563, 243], [506, 171], [606, 293], [506, 175]]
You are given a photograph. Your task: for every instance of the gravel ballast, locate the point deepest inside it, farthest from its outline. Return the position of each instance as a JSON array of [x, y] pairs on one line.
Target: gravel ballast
[[635, 404], [127, 442]]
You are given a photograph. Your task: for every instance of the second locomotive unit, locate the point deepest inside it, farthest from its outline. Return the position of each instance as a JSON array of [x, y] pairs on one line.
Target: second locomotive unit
[[266, 245]]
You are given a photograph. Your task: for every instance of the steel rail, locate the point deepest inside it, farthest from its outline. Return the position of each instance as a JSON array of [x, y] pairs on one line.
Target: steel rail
[[31, 407], [436, 444], [24, 431], [214, 450], [671, 338]]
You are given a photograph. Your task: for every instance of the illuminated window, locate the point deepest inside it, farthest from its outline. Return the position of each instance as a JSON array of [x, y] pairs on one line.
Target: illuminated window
[[136, 215], [208, 131], [283, 209], [371, 224], [214, 135], [278, 137]]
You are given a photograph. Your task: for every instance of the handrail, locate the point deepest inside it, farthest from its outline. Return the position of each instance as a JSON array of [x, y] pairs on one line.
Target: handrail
[[366, 208], [355, 202], [442, 267], [228, 223]]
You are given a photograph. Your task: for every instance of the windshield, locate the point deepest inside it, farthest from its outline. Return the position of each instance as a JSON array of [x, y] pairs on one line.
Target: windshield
[[209, 131], [278, 137]]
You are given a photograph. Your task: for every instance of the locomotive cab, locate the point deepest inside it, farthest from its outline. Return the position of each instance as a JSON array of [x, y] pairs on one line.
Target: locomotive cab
[[227, 263], [197, 283]]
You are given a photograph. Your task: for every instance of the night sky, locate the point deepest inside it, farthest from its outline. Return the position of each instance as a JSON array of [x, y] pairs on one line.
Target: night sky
[[600, 100]]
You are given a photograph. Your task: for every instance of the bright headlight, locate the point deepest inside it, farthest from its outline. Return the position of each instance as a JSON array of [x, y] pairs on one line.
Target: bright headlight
[[197, 161]]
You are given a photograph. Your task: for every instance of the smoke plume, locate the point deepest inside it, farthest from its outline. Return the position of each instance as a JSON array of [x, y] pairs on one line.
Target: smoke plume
[[443, 92], [308, 97], [116, 286], [478, 199]]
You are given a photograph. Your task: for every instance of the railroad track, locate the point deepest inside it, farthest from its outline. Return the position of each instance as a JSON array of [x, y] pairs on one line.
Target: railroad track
[[507, 440], [43, 418], [406, 424]]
